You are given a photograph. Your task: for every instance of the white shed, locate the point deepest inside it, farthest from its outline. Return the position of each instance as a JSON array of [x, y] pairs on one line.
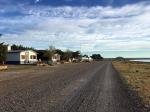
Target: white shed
[[21, 57]]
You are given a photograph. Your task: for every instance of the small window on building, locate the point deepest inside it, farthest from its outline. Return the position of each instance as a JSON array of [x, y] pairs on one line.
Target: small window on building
[[22, 56], [32, 57]]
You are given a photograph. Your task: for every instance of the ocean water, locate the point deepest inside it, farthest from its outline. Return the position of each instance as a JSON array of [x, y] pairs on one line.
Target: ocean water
[[142, 60]]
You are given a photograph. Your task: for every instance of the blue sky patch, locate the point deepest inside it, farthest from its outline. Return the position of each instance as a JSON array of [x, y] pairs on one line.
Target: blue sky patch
[[111, 27]]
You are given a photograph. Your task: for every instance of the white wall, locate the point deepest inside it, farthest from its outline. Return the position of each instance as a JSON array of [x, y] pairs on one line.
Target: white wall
[[56, 58], [31, 61], [17, 57], [8, 48]]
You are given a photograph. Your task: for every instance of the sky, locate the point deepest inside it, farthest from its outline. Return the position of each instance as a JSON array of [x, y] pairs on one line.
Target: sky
[[109, 27]]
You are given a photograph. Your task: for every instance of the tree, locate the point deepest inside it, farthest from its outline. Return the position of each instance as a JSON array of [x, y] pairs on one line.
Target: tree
[[20, 47], [61, 53], [58, 51], [120, 58], [85, 56], [49, 53], [67, 55], [97, 57], [40, 54], [76, 54], [3, 51]]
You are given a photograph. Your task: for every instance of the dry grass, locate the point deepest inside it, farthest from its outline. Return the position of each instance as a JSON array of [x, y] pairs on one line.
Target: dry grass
[[137, 75]]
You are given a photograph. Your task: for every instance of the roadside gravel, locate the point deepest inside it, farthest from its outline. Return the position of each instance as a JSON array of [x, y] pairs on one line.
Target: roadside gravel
[[82, 87]]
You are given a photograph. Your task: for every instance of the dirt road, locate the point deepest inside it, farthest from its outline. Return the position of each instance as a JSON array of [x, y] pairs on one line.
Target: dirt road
[[83, 87]]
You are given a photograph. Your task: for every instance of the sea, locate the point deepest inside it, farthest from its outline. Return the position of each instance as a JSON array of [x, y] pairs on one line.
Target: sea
[[142, 60]]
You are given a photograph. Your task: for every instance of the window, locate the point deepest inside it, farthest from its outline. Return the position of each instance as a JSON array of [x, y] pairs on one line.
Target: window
[[32, 57], [22, 56]]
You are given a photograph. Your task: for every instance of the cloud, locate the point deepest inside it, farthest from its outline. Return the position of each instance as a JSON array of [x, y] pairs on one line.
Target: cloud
[[37, 1], [91, 29]]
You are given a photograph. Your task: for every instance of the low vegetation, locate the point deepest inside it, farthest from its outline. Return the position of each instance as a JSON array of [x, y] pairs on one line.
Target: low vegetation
[[97, 57], [21, 47], [3, 50], [47, 54], [137, 76]]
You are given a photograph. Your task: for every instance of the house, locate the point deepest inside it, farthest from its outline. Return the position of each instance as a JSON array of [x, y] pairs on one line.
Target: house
[[56, 58], [90, 59], [76, 60], [21, 56], [86, 59]]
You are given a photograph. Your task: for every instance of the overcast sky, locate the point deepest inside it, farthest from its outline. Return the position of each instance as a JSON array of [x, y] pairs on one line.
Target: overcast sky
[[110, 27]]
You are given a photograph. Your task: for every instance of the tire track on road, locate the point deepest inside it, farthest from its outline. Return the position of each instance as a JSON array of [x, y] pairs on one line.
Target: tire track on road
[[82, 99], [103, 92]]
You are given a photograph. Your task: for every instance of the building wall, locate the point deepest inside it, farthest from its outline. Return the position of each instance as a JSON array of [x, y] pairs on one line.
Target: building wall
[[27, 59], [13, 57], [56, 58], [84, 59], [16, 58]]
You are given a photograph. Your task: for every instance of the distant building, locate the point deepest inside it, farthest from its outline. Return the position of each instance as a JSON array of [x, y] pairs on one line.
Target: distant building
[[21, 56], [56, 58], [90, 59], [86, 59], [75, 60]]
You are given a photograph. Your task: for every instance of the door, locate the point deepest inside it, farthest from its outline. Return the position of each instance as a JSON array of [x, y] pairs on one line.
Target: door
[[26, 57]]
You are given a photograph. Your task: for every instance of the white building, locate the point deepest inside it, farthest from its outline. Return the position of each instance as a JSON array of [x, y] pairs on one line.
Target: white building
[[90, 59], [56, 58], [86, 59], [21, 56]]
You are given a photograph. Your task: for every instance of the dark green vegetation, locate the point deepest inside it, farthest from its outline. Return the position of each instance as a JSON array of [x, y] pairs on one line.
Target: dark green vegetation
[[64, 55], [3, 50], [97, 57], [120, 58], [21, 47], [49, 53]]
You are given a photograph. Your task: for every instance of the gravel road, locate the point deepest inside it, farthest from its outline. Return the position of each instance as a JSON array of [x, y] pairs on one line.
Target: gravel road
[[82, 87]]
